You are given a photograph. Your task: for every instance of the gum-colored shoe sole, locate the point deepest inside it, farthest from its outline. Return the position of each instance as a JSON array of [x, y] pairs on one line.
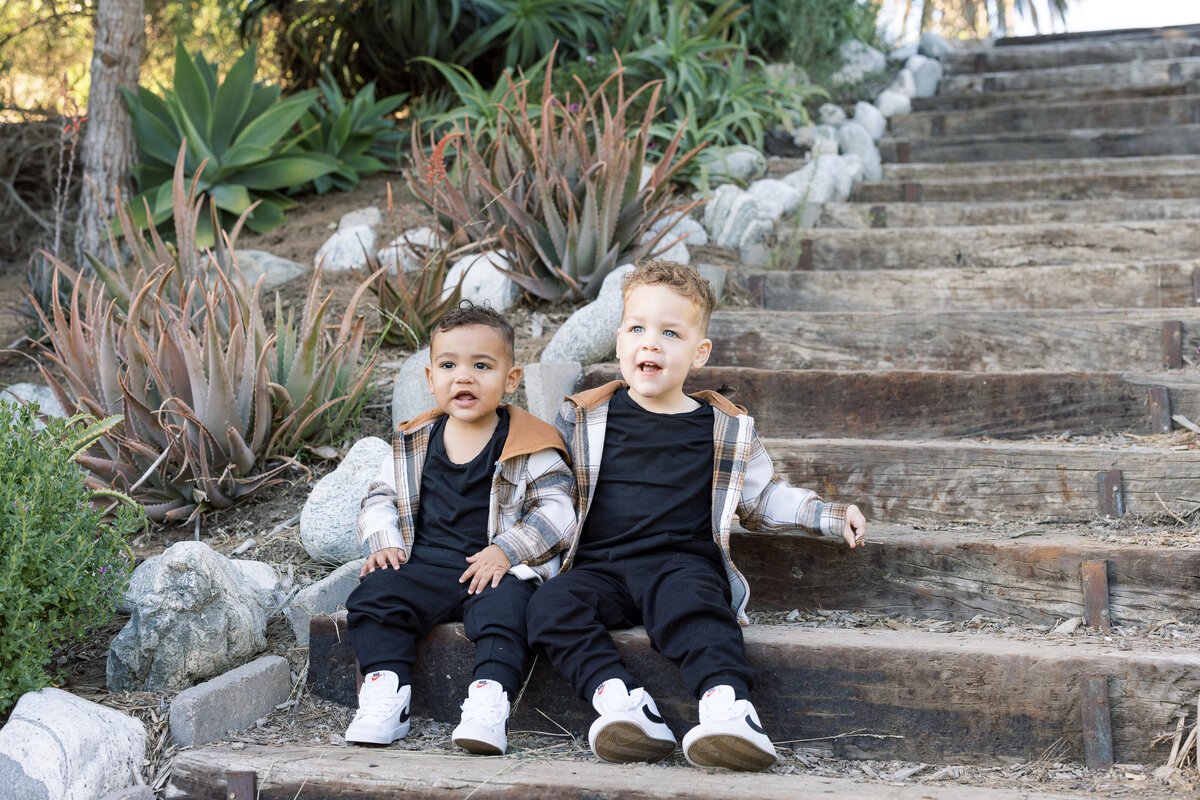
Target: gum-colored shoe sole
[[728, 752], [479, 748], [624, 742]]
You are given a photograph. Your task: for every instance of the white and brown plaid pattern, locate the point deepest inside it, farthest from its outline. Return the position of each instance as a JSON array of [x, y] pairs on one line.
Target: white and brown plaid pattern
[[744, 479]]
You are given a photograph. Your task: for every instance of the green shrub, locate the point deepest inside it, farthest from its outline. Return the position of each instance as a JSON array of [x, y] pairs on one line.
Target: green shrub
[[240, 137], [63, 564], [558, 190], [358, 133]]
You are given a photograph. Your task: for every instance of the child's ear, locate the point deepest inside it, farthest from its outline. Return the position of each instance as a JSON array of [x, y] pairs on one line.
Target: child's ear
[[513, 380], [703, 351], [429, 376]]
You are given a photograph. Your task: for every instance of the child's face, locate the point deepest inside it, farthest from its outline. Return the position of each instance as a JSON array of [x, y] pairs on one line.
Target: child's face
[[470, 371], [660, 340]]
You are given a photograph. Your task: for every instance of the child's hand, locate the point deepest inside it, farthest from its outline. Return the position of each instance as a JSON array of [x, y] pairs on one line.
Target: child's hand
[[855, 531], [490, 563], [381, 559]]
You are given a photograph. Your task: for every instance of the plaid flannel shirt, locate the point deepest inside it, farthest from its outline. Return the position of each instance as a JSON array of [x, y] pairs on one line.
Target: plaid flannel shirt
[[744, 479], [531, 512]]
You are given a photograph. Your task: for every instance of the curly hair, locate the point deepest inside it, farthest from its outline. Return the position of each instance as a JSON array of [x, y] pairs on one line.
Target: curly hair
[[467, 313], [683, 279]]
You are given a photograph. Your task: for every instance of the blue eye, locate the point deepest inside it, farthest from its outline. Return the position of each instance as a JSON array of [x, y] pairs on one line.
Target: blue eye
[[672, 334], [637, 329]]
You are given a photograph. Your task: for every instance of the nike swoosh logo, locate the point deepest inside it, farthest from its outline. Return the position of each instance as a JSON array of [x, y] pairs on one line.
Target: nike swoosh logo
[[754, 726], [404, 716], [650, 715]]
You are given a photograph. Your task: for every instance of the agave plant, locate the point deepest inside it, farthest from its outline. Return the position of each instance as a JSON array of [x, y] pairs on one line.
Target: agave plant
[[562, 191], [238, 134], [357, 133]]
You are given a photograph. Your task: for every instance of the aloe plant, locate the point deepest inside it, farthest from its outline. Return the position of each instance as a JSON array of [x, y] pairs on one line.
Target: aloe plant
[[560, 190], [239, 135]]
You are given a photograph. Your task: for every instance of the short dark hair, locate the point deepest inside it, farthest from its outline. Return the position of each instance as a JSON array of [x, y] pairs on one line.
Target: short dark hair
[[467, 313]]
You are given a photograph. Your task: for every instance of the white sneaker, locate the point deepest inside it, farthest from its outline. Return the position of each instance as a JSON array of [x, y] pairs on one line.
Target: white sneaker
[[729, 734], [629, 727], [382, 715], [484, 727]]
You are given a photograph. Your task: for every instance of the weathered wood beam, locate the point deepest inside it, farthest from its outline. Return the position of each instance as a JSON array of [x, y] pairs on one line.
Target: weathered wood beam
[[907, 481], [933, 215], [963, 698], [1083, 143]]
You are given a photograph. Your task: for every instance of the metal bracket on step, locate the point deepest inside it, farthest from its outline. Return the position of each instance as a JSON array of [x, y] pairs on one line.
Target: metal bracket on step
[[1196, 285], [938, 125], [1159, 401], [1172, 344], [1095, 594], [912, 192], [1112, 501], [241, 785], [903, 152], [1097, 721], [981, 62], [878, 216], [806, 258], [1175, 73], [989, 84]]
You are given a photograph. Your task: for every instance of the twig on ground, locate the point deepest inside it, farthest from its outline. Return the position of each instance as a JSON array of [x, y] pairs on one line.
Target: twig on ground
[[1180, 419], [1167, 508], [858, 733]]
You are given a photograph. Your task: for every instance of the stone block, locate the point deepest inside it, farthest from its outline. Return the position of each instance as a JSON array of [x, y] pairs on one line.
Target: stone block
[[230, 702], [323, 597], [346, 249]]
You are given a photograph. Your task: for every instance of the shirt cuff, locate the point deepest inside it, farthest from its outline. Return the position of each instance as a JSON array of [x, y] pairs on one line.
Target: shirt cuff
[[833, 518]]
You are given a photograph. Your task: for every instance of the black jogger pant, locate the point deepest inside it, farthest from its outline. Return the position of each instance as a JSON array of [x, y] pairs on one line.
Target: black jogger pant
[[682, 599], [392, 608]]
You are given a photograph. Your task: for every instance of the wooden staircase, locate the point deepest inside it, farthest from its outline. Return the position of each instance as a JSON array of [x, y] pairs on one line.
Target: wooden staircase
[[984, 350]]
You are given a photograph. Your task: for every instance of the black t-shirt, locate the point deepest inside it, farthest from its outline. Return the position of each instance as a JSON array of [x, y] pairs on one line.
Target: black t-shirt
[[654, 490], [453, 515]]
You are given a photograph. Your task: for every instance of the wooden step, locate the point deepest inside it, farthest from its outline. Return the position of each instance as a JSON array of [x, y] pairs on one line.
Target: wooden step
[[929, 404], [289, 772], [900, 481], [955, 574], [957, 698], [1096, 286], [1162, 32], [1094, 168], [1083, 143], [1144, 72], [994, 341], [946, 102], [1120, 113], [1032, 58], [997, 246], [1048, 186], [932, 215]]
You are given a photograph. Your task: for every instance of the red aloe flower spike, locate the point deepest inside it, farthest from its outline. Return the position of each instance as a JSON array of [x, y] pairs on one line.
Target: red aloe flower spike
[[437, 159]]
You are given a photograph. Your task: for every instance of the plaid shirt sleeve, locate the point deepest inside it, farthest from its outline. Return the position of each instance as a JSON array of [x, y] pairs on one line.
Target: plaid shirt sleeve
[[547, 512], [378, 523], [771, 505]]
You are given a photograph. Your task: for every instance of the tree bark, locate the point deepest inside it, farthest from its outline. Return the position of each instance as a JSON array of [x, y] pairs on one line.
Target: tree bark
[[109, 145]]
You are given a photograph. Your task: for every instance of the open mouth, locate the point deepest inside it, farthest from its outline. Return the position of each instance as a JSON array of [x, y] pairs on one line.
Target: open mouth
[[464, 398], [648, 368]]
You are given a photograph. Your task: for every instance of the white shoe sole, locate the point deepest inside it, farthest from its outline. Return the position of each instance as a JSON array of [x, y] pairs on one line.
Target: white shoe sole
[[366, 735]]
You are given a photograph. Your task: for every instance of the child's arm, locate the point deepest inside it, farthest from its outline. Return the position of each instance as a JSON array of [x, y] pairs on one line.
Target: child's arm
[[771, 505], [378, 522], [545, 522]]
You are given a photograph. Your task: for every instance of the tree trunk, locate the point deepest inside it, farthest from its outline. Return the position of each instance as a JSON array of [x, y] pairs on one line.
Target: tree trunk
[[109, 146]]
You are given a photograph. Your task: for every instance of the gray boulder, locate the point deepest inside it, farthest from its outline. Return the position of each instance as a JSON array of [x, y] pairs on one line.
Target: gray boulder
[[777, 199], [34, 393], [327, 519], [346, 249], [410, 390], [890, 103], [409, 251], [717, 207], [754, 248], [369, 216], [547, 383], [871, 118], [935, 46], [682, 225], [669, 248], [904, 83], [56, 746], [323, 597], [831, 114], [194, 615], [274, 270], [262, 581], [858, 61], [590, 334], [482, 280], [901, 54], [739, 163], [927, 74], [856, 140], [742, 210]]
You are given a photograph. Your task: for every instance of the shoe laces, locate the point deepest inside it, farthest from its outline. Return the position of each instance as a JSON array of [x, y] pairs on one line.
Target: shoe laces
[[479, 707], [379, 701], [611, 701], [719, 703]]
